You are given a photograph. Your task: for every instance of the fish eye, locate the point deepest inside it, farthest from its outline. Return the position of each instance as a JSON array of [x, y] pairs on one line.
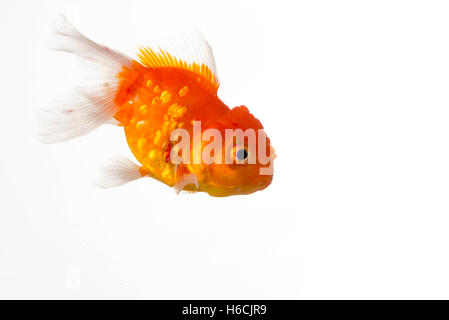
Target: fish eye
[[241, 154]]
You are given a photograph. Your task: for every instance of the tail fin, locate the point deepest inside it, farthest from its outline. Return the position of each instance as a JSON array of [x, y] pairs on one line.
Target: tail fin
[[88, 106]]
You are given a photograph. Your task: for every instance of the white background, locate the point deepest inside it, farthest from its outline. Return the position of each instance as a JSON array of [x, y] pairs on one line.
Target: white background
[[355, 98]]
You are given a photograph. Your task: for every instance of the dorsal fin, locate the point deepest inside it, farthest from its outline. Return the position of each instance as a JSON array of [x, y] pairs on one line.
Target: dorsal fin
[[191, 52]]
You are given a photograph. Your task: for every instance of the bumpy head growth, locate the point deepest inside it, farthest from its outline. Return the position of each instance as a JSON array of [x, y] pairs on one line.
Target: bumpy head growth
[[242, 163]]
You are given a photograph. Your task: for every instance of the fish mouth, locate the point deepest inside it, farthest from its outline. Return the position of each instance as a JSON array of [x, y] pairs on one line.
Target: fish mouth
[[273, 154]]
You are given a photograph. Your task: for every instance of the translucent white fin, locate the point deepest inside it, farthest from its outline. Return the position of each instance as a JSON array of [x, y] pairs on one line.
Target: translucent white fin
[[117, 171], [185, 180], [90, 105], [189, 51]]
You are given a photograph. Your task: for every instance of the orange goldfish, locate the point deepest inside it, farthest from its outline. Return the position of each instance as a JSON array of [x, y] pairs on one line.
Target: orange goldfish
[[167, 95]]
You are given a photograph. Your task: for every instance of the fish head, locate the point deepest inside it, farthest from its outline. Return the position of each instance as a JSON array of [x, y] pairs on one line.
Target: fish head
[[245, 163]]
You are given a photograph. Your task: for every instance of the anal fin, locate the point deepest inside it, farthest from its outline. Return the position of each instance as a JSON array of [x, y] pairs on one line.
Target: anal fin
[[118, 171]]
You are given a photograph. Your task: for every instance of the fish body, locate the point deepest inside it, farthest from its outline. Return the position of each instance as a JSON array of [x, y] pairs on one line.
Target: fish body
[[152, 99], [157, 102]]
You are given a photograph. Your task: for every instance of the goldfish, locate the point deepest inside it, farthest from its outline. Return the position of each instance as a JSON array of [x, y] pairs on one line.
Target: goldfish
[[162, 96]]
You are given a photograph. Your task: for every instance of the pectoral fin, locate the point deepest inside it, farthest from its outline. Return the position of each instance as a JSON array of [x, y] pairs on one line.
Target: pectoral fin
[[184, 178]]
